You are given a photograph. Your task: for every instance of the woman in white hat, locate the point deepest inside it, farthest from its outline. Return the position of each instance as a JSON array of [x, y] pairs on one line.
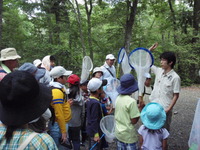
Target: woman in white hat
[[152, 133]]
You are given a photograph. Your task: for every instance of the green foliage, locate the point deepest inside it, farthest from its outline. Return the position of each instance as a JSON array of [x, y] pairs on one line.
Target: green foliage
[[50, 27]]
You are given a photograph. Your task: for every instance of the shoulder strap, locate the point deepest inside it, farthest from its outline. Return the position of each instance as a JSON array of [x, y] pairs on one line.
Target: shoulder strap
[[109, 72], [27, 141], [2, 71]]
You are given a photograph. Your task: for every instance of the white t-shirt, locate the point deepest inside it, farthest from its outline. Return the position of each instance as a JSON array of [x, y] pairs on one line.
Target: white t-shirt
[[152, 141], [165, 86], [106, 74]]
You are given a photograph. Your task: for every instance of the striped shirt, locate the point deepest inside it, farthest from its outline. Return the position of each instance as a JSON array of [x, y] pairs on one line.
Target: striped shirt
[[41, 141]]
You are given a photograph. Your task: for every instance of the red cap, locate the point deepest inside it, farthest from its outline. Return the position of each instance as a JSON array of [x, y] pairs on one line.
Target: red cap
[[73, 79]]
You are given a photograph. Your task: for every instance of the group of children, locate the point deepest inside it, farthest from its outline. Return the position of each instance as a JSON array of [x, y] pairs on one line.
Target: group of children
[[70, 107]]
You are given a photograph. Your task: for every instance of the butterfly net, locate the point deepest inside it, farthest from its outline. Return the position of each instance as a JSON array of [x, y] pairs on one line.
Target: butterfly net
[[111, 89], [141, 60], [87, 67], [107, 125], [126, 68]]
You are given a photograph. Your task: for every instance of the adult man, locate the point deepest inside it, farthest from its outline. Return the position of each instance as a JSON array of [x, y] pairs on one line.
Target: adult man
[[167, 85], [9, 61], [108, 68]]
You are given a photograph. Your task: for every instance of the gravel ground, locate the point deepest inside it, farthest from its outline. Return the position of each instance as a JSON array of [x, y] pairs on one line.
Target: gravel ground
[[181, 121]]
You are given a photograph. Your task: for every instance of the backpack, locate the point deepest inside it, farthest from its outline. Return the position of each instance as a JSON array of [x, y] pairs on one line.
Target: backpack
[[52, 119]]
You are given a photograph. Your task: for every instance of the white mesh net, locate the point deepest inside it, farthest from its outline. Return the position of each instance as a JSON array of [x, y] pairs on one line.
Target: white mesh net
[[87, 67], [126, 68], [111, 89], [141, 60], [107, 125]]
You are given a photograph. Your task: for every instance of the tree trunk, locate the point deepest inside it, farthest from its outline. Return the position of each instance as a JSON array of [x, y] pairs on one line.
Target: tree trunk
[[1, 25], [78, 18], [131, 13], [196, 19], [174, 20], [89, 12]]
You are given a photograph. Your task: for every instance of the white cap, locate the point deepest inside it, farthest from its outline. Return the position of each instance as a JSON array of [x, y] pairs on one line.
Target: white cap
[[110, 56], [97, 69], [37, 62], [147, 75], [59, 71], [95, 83]]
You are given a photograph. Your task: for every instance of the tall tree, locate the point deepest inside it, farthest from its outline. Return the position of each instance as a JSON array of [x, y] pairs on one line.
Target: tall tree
[[1, 26], [77, 14], [196, 19], [173, 20], [130, 18], [89, 12]]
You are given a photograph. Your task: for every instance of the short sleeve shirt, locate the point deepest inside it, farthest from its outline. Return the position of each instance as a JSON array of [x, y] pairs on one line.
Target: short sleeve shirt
[[42, 141], [125, 110], [165, 86], [152, 141]]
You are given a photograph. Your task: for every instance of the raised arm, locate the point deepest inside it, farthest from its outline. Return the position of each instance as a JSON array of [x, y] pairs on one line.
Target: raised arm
[[154, 46]]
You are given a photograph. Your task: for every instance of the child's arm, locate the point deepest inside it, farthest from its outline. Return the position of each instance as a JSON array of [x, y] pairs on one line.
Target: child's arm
[[140, 142], [134, 120], [164, 144]]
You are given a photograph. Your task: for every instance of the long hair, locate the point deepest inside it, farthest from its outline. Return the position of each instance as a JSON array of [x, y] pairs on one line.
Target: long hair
[[159, 131], [74, 90], [9, 132]]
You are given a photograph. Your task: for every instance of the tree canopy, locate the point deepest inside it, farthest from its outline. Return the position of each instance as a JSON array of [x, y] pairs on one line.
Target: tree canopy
[[70, 30]]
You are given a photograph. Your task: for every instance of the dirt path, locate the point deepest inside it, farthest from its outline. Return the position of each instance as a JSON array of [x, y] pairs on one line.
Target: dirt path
[[183, 119]]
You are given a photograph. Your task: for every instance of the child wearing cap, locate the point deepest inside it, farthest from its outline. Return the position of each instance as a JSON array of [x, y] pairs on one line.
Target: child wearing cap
[[152, 134], [60, 105], [126, 113], [97, 73], [106, 103], [77, 110], [94, 112]]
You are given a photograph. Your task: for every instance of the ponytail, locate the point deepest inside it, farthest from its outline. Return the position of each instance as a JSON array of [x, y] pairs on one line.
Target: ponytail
[[9, 132]]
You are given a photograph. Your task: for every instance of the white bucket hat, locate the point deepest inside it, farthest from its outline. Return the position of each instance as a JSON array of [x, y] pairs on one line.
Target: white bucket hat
[[59, 71], [9, 54], [97, 69]]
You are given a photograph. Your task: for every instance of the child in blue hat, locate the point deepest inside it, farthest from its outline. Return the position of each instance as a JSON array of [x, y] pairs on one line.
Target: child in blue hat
[[152, 134]]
